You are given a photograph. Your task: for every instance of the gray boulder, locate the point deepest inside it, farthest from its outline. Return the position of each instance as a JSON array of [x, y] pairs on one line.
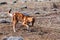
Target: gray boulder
[[13, 38]]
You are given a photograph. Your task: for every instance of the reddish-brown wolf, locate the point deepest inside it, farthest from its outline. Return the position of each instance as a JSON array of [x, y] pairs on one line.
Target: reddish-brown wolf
[[17, 16]]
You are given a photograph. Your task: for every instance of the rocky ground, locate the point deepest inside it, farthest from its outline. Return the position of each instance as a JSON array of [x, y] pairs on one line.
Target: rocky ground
[[47, 20]]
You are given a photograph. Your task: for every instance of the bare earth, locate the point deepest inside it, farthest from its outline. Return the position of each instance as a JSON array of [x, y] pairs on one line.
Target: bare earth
[[46, 27]]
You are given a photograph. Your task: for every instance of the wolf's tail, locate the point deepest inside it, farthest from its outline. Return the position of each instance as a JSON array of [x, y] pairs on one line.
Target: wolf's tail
[[10, 10]]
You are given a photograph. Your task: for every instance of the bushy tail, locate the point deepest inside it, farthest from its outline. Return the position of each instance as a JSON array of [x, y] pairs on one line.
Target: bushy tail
[[9, 12], [33, 21]]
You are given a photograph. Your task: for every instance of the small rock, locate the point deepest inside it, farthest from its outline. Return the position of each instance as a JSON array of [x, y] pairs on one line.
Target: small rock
[[42, 33], [1, 33], [2, 3], [5, 39], [13, 38], [14, 1], [37, 13], [54, 9], [54, 5], [4, 21], [25, 7], [25, 14]]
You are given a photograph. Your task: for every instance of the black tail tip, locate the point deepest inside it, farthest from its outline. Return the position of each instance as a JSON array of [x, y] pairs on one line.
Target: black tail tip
[[10, 10]]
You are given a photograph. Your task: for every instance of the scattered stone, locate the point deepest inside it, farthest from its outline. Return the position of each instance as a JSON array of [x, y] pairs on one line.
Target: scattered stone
[[4, 21], [37, 13], [14, 1], [54, 5], [54, 9], [3, 3], [32, 30], [1, 33], [13, 38], [25, 7], [42, 33], [26, 14], [5, 39]]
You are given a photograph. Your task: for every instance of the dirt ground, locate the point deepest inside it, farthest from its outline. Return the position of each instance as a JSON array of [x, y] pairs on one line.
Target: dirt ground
[[47, 22], [43, 31]]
